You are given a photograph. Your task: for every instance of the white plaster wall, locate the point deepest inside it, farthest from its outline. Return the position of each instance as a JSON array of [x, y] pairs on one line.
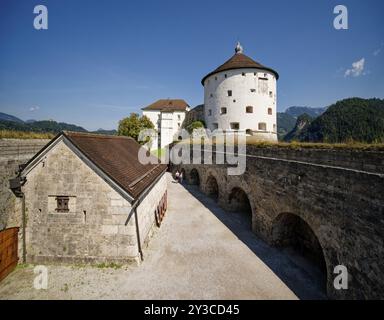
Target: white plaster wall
[[169, 125], [216, 96]]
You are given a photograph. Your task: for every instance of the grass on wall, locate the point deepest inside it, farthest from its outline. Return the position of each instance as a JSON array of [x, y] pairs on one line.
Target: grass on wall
[[10, 134]]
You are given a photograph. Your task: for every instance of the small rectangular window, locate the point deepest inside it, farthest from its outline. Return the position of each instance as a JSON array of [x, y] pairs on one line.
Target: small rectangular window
[[253, 90], [270, 94], [229, 93], [249, 109], [225, 76], [262, 126], [223, 111], [215, 126], [209, 112], [62, 204], [235, 125], [269, 110]]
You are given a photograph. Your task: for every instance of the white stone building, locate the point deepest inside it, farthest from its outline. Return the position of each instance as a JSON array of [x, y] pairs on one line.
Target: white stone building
[[240, 95], [167, 115]]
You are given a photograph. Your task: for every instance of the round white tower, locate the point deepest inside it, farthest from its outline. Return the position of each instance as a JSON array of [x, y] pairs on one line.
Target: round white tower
[[240, 95]]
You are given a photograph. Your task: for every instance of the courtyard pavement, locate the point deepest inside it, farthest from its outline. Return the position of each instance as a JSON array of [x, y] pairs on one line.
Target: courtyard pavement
[[200, 252]]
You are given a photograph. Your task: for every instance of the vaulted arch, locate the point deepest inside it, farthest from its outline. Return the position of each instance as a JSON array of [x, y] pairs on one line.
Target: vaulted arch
[[194, 177], [291, 231], [238, 201], [212, 187]]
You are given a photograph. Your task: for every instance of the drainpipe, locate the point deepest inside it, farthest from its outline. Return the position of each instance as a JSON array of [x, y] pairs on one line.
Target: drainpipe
[[24, 225], [138, 236]]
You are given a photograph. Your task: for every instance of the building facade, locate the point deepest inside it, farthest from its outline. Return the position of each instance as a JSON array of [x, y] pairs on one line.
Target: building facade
[[167, 115], [240, 95], [88, 199]]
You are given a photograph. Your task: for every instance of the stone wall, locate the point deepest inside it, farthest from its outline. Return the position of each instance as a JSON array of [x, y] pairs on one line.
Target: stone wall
[[13, 152], [343, 207], [95, 229]]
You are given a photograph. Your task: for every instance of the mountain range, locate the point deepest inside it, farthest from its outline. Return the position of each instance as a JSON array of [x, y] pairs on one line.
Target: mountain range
[[348, 120], [9, 122]]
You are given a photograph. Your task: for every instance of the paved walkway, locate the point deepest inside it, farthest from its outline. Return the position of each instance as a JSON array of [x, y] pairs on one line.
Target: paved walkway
[[200, 252]]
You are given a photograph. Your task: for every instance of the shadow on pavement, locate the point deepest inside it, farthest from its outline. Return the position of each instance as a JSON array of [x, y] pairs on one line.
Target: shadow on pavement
[[300, 275]]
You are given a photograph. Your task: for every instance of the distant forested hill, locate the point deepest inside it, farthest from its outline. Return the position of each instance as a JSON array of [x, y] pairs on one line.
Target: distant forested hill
[[39, 126], [353, 119], [8, 117]]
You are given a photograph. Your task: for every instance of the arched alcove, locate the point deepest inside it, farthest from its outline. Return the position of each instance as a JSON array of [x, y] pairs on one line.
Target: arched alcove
[[194, 177], [238, 201], [212, 188], [291, 231]]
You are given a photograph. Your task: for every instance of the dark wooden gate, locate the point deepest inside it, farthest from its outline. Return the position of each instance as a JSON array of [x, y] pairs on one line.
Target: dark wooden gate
[[8, 251]]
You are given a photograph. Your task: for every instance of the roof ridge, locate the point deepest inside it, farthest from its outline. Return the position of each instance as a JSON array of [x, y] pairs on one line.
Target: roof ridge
[[94, 135]]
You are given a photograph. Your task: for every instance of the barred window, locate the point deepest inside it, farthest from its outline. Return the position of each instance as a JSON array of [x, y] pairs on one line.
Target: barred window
[[62, 204]]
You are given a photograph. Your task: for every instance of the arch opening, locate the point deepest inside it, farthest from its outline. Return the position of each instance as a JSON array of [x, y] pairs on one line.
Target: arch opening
[[194, 177], [212, 188], [238, 201], [294, 234]]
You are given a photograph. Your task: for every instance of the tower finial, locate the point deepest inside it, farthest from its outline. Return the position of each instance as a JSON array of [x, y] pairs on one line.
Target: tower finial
[[239, 48]]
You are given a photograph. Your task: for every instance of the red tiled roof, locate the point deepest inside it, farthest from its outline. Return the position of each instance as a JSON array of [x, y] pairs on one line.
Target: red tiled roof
[[168, 105], [239, 61], [117, 157]]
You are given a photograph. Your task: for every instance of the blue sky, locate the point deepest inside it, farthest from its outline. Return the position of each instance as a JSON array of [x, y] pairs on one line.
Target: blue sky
[[100, 60]]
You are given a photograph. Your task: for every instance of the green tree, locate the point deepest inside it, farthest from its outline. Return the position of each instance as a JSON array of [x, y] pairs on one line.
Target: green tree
[[195, 125], [132, 125]]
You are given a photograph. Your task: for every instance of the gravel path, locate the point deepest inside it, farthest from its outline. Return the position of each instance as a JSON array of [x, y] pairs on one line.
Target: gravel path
[[200, 252]]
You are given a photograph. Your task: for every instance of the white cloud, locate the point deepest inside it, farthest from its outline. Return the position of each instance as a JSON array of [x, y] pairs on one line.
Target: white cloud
[[34, 108], [357, 69]]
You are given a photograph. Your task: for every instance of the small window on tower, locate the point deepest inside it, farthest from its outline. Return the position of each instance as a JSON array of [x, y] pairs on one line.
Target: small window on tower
[[209, 112], [235, 125], [223, 111], [253, 90], [269, 110], [270, 94], [229, 93], [249, 109], [262, 126], [215, 126]]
